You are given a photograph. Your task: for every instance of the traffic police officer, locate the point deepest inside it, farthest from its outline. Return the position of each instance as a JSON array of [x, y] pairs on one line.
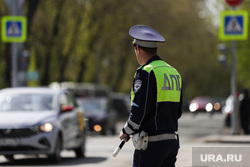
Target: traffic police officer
[[156, 102]]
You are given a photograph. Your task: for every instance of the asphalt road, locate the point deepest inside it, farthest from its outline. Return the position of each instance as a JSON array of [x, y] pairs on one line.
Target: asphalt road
[[100, 148]]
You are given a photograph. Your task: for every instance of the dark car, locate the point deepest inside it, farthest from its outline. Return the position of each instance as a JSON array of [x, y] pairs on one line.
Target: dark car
[[121, 103], [40, 121], [102, 117]]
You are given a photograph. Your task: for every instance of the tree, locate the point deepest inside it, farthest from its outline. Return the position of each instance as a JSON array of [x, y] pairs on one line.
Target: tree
[[243, 55], [88, 41]]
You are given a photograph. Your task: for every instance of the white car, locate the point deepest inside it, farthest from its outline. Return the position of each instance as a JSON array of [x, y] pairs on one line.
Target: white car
[[40, 121]]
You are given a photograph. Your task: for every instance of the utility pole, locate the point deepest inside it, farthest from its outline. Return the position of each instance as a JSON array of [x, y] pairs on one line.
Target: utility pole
[[235, 113], [234, 26], [15, 7]]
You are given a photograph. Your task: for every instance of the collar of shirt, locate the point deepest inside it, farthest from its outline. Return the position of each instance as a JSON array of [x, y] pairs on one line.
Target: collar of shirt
[[150, 60]]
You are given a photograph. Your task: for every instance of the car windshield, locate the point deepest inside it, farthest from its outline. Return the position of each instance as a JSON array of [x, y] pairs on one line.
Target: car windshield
[[27, 102], [93, 105]]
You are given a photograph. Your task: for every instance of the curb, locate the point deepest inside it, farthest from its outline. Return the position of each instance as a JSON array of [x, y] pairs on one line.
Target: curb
[[227, 139]]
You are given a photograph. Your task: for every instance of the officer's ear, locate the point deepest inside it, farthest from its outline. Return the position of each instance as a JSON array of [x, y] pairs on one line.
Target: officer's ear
[[139, 49]]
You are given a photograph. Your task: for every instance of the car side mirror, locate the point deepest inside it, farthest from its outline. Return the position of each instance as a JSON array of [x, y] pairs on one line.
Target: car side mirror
[[67, 108]]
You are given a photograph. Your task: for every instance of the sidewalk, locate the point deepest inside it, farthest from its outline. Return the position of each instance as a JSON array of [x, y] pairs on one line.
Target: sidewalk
[[225, 137], [221, 139]]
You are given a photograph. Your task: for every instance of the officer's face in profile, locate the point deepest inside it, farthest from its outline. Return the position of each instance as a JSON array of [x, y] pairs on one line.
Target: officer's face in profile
[[138, 55]]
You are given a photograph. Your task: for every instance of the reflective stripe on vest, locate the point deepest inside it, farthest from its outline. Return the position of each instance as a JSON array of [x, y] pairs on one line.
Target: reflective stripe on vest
[[132, 94], [168, 81]]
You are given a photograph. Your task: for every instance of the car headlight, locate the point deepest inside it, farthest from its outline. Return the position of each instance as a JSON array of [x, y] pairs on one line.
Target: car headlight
[[98, 128], [209, 107], [226, 109], [47, 127], [193, 107], [217, 106]]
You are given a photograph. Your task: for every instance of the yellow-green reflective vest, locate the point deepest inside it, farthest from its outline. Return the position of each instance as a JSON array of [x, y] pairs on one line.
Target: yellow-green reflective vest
[[168, 81]]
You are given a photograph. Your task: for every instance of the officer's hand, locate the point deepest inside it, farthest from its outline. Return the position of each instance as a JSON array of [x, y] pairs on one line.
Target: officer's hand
[[124, 136]]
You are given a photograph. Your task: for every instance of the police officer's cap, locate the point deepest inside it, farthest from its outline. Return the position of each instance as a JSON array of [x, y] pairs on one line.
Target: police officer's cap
[[145, 36]]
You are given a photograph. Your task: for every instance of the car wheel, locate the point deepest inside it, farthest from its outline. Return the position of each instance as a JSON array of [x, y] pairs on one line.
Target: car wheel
[[113, 131], [80, 151], [104, 132], [56, 156], [9, 157], [193, 113]]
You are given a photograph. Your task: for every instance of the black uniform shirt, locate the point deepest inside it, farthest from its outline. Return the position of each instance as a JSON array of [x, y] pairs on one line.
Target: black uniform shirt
[[146, 114]]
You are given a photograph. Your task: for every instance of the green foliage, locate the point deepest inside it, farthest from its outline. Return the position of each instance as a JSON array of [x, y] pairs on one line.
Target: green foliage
[[243, 55], [88, 41], [242, 52]]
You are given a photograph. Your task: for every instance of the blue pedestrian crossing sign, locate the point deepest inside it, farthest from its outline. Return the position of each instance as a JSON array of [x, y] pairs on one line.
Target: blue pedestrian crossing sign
[[233, 25], [14, 29]]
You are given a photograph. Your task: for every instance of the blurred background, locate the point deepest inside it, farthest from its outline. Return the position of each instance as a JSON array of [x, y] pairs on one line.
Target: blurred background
[[88, 41], [85, 43]]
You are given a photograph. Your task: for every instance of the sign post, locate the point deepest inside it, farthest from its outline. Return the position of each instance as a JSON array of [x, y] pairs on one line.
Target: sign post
[[14, 31], [234, 26]]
